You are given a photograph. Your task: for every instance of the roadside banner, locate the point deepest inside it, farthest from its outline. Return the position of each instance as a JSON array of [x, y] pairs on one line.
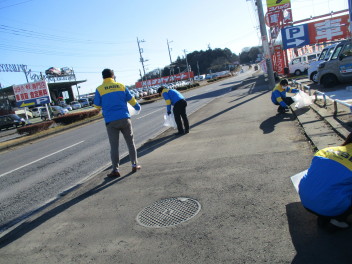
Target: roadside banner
[[32, 94], [263, 66], [279, 59]]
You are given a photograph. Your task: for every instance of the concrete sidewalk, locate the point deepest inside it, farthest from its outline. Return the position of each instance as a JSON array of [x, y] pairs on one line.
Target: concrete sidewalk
[[236, 163]]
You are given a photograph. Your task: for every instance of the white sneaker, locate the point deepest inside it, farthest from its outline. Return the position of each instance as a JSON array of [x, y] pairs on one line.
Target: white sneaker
[[339, 224]]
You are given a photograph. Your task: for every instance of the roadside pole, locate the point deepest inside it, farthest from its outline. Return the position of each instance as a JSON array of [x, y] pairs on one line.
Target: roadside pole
[[265, 44]]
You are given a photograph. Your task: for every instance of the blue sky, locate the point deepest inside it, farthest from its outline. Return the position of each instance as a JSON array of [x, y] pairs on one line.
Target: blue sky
[[92, 35]]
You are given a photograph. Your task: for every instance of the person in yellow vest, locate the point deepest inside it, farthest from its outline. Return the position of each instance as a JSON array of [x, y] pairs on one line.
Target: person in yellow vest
[[174, 98], [278, 96], [326, 189], [112, 97]]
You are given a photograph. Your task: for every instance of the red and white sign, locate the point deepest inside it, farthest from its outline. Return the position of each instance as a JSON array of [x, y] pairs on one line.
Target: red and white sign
[[166, 79], [273, 19], [30, 91], [279, 18], [279, 60], [329, 29]]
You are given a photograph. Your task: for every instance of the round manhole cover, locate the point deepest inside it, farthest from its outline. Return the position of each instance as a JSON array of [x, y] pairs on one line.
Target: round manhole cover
[[168, 212]]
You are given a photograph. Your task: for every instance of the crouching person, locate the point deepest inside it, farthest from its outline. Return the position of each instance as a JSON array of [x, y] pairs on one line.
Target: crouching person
[[326, 189], [278, 96]]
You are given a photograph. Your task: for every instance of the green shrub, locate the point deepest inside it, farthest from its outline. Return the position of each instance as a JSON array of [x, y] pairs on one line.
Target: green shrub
[[74, 117], [35, 128]]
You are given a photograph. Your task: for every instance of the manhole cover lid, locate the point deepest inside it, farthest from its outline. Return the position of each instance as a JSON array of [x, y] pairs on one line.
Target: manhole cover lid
[[168, 212]]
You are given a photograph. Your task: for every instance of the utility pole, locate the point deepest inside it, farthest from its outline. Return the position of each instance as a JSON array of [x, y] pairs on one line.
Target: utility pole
[[265, 44], [141, 58], [172, 72], [189, 78], [168, 47]]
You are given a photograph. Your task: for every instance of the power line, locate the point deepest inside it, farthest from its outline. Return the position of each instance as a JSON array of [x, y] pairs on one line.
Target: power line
[[16, 4], [51, 37]]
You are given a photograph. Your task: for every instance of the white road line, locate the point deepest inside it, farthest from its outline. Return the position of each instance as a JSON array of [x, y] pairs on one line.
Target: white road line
[[151, 113], [1, 175]]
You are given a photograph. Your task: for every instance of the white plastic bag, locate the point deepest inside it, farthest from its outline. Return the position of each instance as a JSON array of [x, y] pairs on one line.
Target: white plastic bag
[[133, 111], [169, 121], [302, 100], [296, 179]]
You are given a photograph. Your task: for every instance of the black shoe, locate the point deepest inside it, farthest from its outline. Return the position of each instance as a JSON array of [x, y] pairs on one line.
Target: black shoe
[[135, 168], [114, 174], [282, 110], [186, 131]]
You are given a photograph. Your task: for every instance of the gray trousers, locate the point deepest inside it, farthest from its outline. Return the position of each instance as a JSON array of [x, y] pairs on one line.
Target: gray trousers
[[113, 128]]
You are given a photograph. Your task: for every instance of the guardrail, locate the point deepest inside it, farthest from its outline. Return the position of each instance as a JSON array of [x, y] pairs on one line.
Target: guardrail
[[325, 97]]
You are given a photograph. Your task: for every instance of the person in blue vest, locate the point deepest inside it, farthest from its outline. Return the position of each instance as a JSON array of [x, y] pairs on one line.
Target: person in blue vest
[[278, 96], [326, 188], [175, 98], [112, 97]]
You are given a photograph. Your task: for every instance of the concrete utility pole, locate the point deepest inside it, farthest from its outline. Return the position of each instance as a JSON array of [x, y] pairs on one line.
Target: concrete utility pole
[[172, 71], [189, 78], [141, 58], [168, 47], [265, 44]]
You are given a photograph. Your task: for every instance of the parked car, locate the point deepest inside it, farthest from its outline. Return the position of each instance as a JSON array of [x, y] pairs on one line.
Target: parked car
[[66, 106], [22, 113], [75, 105], [300, 64], [91, 100], [53, 71], [338, 68], [84, 102], [36, 111], [44, 114], [55, 111], [134, 94], [66, 71], [58, 110], [11, 121], [324, 56]]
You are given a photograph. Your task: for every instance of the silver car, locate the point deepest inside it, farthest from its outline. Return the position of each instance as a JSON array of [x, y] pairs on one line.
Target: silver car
[[75, 105]]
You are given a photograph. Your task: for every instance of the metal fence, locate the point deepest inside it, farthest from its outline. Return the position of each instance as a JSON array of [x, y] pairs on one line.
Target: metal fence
[[336, 102]]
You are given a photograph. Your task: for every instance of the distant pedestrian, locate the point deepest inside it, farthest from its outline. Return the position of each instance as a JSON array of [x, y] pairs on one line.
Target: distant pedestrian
[[175, 98], [278, 96], [113, 97], [326, 189]]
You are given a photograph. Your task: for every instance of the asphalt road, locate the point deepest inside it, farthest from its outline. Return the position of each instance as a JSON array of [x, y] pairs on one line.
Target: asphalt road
[[33, 175]]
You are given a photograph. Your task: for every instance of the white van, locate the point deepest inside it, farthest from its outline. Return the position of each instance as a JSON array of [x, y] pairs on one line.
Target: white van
[[324, 56], [300, 64]]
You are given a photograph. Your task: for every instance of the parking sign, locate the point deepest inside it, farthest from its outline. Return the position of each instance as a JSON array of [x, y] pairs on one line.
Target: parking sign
[[296, 36], [31, 94]]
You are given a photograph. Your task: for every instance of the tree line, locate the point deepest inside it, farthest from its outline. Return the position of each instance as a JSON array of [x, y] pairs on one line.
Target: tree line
[[208, 61]]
